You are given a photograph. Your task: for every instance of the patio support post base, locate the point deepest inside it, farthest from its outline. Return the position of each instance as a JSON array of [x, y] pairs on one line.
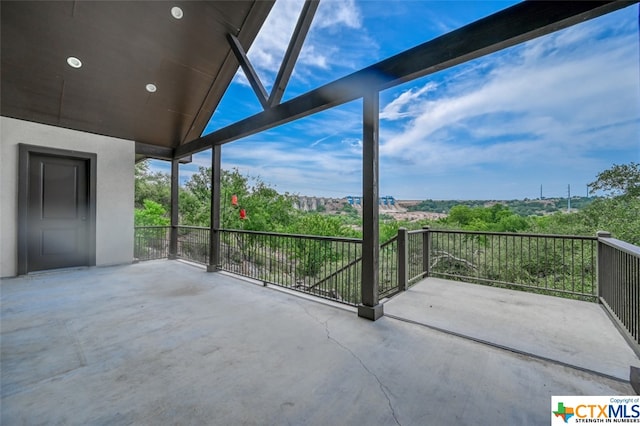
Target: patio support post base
[[212, 268], [371, 312]]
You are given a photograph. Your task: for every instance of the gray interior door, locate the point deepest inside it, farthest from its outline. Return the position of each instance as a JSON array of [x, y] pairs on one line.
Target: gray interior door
[[58, 209]]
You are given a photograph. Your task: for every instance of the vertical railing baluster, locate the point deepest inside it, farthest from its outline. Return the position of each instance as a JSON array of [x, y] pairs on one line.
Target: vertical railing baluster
[[403, 259], [493, 254], [426, 250]]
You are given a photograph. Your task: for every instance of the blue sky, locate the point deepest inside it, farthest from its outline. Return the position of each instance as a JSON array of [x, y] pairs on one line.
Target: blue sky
[[553, 111]]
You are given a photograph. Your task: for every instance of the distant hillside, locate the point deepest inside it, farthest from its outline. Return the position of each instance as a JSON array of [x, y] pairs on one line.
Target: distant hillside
[[526, 207]]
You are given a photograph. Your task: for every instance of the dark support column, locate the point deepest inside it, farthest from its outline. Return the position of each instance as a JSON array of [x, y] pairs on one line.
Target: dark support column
[[403, 259], [602, 273], [214, 227], [370, 307], [426, 251], [173, 237]]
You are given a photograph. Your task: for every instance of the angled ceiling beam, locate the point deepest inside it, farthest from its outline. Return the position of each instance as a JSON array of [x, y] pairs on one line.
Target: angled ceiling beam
[[248, 69], [145, 150], [246, 34], [154, 151], [519, 23], [293, 51]]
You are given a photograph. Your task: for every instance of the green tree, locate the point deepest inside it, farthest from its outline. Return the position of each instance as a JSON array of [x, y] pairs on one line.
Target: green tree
[[193, 211], [152, 214], [313, 255], [559, 223], [618, 215], [265, 208], [154, 186], [512, 223], [497, 218], [461, 215], [619, 180], [319, 224]]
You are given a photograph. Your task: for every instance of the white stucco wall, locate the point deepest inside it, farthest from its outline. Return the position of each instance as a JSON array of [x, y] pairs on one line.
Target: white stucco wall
[[114, 192]]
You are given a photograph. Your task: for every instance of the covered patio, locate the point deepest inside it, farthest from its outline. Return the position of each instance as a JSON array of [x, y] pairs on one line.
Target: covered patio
[[163, 342]]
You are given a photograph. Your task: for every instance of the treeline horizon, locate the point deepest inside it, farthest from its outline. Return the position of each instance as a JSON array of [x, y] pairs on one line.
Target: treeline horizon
[[251, 204]]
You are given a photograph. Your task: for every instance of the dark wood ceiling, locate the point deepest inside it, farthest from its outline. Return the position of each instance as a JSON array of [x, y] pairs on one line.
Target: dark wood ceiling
[[123, 46]]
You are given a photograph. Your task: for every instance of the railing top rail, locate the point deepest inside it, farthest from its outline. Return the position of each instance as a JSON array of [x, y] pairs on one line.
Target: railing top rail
[[309, 237], [276, 234], [152, 227], [621, 245], [202, 228], [515, 234], [419, 231], [389, 242]]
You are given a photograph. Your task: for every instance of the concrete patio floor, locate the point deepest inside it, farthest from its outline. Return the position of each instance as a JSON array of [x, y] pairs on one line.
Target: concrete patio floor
[[164, 342], [572, 332]]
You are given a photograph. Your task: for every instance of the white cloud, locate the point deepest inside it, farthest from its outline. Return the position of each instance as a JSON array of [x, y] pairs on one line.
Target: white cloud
[[338, 13], [537, 104], [301, 170], [268, 49], [311, 57], [354, 144], [405, 104], [556, 108]]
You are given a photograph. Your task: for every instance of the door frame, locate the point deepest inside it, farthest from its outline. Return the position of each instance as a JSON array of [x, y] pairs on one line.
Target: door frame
[[25, 152]]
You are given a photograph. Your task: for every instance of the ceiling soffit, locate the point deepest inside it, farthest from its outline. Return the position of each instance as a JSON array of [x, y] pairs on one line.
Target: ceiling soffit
[[123, 46]]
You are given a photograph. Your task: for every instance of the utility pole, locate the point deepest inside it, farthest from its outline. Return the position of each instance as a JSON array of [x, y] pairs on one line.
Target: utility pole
[[569, 198], [541, 192]]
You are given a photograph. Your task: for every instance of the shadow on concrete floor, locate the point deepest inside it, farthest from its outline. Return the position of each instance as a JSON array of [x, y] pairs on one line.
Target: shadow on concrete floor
[[163, 342]]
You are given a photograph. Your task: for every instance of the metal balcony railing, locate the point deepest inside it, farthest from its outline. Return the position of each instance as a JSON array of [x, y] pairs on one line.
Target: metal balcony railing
[[549, 264], [193, 244], [151, 242], [553, 264], [388, 268], [328, 267], [590, 268], [619, 285]]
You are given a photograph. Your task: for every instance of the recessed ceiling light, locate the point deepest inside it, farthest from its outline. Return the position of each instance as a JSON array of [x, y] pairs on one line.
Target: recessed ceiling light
[[176, 12], [151, 88], [74, 62]]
